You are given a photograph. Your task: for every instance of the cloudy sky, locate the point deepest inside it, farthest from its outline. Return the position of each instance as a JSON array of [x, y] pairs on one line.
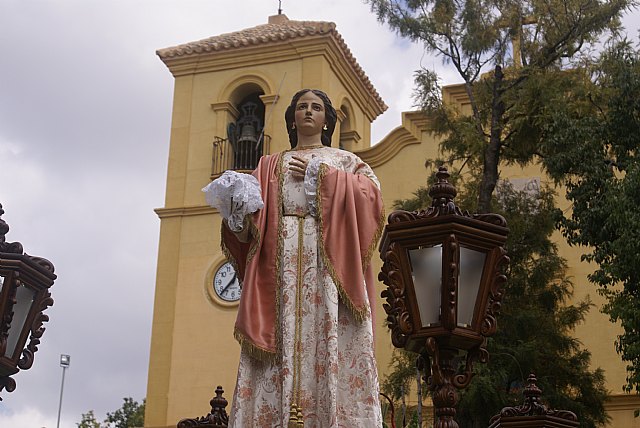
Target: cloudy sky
[[85, 107]]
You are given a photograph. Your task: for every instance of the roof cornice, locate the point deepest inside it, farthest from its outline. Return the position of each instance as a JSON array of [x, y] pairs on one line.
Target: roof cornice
[[414, 123], [270, 43]]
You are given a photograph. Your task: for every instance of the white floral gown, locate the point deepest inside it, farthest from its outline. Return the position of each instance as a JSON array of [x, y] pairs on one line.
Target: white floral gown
[[328, 366]]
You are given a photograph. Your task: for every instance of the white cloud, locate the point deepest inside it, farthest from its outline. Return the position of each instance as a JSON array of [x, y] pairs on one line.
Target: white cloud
[[28, 417], [84, 131]]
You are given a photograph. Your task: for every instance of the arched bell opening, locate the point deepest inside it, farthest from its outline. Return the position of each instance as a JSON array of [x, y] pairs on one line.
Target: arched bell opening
[[246, 134], [241, 140], [349, 137]]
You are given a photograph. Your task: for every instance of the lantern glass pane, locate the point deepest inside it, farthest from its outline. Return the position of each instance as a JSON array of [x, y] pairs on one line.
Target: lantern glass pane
[[24, 301], [469, 277], [1, 282], [426, 271]]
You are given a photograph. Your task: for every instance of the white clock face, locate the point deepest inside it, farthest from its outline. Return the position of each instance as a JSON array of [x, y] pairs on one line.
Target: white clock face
[[226, 283]]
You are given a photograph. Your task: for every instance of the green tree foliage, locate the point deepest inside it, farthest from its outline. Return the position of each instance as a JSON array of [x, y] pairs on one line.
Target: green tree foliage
[[519, 46], [521, 63], [535, 325], [593, 149], [399, 381], [88, 421], [130, 415]]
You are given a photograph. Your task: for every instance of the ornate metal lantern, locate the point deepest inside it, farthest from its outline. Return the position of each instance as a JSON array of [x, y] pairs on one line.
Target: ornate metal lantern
[[443, 269], [24, 296]]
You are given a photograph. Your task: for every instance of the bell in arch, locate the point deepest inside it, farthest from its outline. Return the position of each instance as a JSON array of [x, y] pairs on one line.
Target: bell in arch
[[244, 138], [248, 134]]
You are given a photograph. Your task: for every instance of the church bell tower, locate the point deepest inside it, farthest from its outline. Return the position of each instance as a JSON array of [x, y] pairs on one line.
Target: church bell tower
[[230, 95]]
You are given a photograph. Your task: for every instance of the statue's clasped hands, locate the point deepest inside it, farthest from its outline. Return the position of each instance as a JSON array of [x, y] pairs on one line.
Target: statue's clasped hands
[[298, 166]]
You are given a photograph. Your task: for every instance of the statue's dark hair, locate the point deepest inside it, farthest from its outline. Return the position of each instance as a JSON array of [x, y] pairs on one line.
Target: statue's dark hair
[[330, 116]]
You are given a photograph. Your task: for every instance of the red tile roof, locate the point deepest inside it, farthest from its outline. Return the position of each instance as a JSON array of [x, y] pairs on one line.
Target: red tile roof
[[279, 29]]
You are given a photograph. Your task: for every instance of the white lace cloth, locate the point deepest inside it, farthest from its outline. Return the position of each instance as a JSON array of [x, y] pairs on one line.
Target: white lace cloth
[[311, 184], [235, 195]]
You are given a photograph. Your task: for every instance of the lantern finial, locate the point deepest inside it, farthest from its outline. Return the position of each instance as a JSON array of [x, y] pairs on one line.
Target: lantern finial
[[7, 247], [4, 227], [443, 193], [533, 407]]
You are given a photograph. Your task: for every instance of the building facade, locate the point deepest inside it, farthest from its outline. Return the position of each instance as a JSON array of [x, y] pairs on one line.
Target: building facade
[[230, 95]]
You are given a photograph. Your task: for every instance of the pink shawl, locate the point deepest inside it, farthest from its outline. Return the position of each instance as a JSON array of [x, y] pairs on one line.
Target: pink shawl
[[351, 221]]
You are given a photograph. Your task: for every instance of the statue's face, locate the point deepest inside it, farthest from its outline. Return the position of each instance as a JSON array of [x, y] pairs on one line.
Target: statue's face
[[309, 114]]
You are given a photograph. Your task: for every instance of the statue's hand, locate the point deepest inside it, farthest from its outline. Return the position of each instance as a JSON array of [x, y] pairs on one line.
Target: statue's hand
[[298, 166]]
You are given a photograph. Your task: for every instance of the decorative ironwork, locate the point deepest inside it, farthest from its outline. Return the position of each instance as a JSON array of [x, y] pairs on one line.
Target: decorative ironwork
[[495, 219], [443, 194], [33, 275], [5, 325], [398, 316], [499, 279], [450, 280], [445, 376], [7, 383], [445, 223], [440, 337], [218, 417], [7, 247], [36, 331], [444, 392], [224, 157], [533, 411]]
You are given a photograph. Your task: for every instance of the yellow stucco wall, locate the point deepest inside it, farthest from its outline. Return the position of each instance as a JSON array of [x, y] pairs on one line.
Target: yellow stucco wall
[[404, 171], [192, 348]]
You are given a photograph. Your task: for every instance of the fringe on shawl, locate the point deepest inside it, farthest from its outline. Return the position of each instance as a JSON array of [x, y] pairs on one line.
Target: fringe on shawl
[[359, 313], [279, 252], [246, 343], [366, 260], [252, 349]]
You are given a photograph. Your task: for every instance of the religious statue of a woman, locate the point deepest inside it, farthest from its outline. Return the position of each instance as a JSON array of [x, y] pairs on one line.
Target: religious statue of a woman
[[305, 319]]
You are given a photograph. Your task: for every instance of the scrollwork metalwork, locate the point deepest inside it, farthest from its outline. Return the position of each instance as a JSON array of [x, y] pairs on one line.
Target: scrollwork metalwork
[[442, 203], [35, 274], [494, 302], [444, 391], [398, 317], [218, 417], [451, 289], [7, 317], [7, 383], [7, 247], [443, 343], [491, 218], [37, 330], [46, 264], [443, 194], [399, 216], [444, 379], [533, 406]]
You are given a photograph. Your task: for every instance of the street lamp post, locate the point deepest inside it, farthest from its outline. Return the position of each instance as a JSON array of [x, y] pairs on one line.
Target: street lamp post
[[65, 361], [443, 269], [24, 296]]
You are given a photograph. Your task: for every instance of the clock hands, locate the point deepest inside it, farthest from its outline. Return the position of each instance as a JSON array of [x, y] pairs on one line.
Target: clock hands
[[233, 279]]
